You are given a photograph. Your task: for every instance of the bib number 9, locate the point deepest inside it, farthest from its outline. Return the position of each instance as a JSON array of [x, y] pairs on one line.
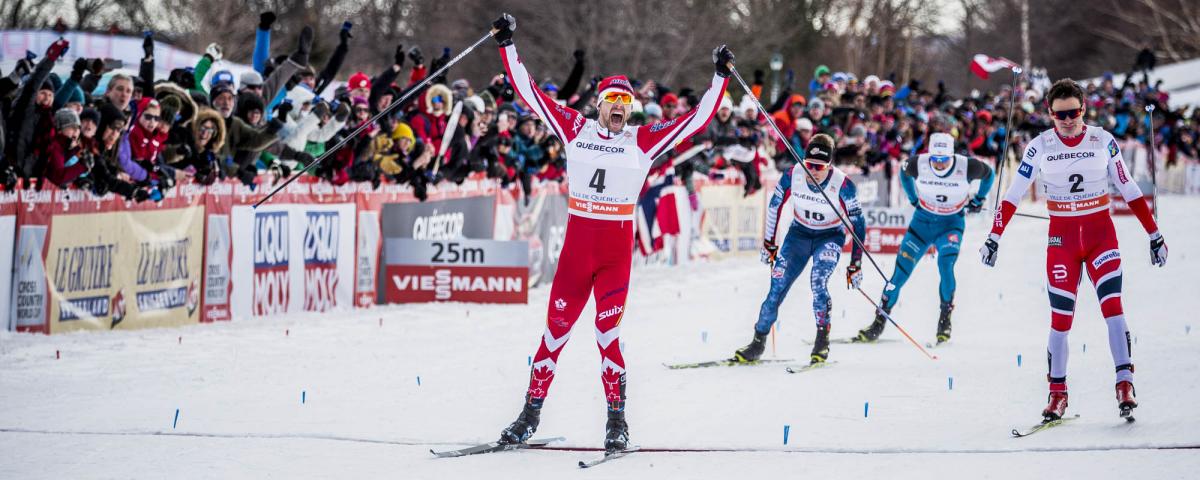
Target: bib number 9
[[597, 181]]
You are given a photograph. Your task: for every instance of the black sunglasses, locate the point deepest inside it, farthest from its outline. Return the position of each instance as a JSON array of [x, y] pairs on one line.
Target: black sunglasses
[[1067, 114]]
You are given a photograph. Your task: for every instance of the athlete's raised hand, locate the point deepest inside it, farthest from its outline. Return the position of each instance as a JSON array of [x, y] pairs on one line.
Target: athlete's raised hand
[[1158, 250], [769, 252], [988, 251], [722, 59], [503, 29]]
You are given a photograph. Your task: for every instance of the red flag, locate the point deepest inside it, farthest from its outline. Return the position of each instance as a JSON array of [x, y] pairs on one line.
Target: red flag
[[982, 65]]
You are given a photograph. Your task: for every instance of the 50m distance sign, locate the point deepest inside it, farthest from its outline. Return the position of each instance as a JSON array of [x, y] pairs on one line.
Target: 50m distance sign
[[460, 270]]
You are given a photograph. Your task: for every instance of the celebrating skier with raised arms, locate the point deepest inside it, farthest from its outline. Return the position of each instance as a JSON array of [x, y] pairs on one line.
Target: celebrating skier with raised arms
[[1076, 163], [607, 162], [938, 184]]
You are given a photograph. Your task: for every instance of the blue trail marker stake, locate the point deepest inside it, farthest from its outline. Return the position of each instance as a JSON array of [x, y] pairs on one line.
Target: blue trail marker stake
[[1187, 329], [302, 395], [418, 380], [704, 337], [1018, 359], [786, 429], [529, 359], [951, 382], [1085, 348], [866, 408], [176, 422]]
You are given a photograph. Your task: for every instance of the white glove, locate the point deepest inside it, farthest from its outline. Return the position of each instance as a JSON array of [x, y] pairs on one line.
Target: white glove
[[213, 51], [988, 251], [1158, 250]]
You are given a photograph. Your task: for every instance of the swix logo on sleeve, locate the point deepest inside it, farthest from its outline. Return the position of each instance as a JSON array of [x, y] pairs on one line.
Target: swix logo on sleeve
[[1026, 170], [1106, 257], [270, 263], [1031, 152], [320, 261]]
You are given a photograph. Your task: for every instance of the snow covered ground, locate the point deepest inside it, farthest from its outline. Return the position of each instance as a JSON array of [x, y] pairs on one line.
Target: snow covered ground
[[105, 409]]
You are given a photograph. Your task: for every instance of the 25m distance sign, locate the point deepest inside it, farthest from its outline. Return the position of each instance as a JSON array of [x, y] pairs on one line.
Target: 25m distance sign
[[460, 270]]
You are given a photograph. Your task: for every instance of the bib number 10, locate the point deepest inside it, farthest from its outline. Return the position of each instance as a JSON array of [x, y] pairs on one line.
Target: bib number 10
[[597, 181], [811, 215]]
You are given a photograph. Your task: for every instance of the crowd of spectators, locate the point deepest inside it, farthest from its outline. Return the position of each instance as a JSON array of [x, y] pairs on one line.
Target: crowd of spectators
[[136, 136]]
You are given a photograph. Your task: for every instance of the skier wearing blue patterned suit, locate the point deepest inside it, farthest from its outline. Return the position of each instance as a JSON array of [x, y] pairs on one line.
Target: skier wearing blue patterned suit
[[816, 234], [939, 185]]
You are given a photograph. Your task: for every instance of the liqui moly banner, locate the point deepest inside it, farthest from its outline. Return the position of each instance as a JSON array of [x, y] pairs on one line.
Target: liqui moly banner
[[486, 271], [291, 258]]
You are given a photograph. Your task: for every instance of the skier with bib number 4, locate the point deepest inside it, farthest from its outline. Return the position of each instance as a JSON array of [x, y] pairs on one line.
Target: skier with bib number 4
[[1076, 162], [816, 234], [607, 161], [938, 184]]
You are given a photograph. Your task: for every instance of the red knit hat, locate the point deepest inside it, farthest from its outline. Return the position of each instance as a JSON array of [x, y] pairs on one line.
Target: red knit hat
[[359, 80], [614, 83]]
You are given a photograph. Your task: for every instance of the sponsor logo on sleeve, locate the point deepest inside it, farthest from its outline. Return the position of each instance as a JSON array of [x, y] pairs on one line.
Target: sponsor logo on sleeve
[[1031, 152], [1112, 148], [1121, 177], [1026, 170]]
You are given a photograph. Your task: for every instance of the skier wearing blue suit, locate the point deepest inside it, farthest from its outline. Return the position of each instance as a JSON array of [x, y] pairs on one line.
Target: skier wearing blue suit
[[938, 184], [816, 234]]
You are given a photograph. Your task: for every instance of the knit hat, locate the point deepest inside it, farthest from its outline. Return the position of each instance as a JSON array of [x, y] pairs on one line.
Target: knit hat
[[726, 102], [219, 89], [223, 76], [251, 78], [817, 104], [91, 115], [653, 110], [359, 80], [489, 102], [615, 83], [110, 114], [821, 70], [669, 99], [75, 95], [65, 117], [402, 130], [804, 124], [818, 151], [941, 145], [170, 106]]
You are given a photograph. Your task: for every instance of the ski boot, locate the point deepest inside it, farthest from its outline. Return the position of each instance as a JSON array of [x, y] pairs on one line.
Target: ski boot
[[872, 333], [1057, 406], [616, 432], [753, 351], [1126, 400], [943, 333], [526, 423], [820, 351]]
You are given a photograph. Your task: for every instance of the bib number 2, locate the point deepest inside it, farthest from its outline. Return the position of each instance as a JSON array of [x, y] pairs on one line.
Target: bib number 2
[[1076, 180], [597, 181]]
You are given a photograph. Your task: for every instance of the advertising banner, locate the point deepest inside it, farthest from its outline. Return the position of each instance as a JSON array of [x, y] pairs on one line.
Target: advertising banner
[[885, 229], [732, 222], [464, 270], [291, 258], [88, 263], [541, 221]]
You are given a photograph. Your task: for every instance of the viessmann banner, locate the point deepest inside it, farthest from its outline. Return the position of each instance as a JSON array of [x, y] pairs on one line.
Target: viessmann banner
[[464, 270]]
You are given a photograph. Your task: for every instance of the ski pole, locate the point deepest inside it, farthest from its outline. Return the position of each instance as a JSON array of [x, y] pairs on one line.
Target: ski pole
[[1153, 164], [811, 178], [1019, 214], [1012, 99], [897, 325], [395, 103]]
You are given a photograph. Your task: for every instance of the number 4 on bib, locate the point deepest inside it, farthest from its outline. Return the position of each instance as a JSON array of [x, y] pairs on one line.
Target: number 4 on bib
[[597, 181]]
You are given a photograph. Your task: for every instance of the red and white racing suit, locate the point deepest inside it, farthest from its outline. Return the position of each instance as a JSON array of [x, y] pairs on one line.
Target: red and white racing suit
[[606, 171], [1076, 173]]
